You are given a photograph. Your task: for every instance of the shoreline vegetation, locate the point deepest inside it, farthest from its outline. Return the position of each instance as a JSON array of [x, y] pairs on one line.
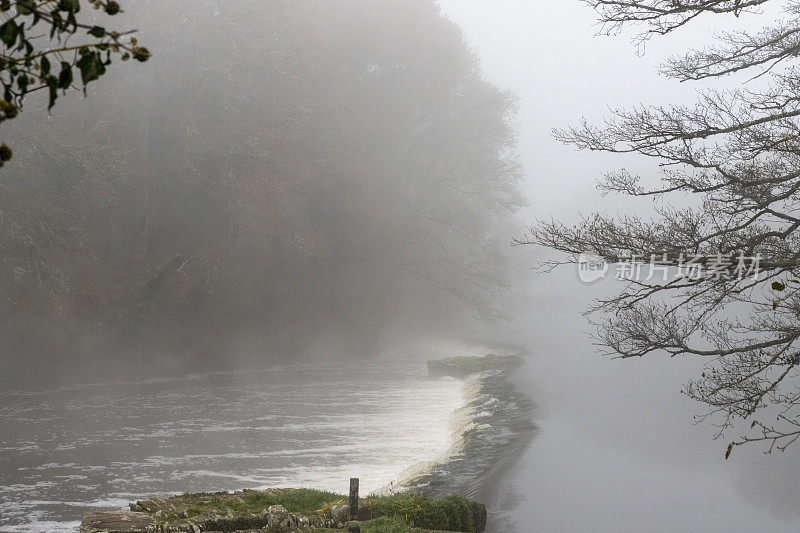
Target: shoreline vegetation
[[280, 510], [292, 509]]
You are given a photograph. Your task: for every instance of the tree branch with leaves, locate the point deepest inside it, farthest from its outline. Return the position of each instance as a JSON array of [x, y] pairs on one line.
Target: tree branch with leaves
[[31, 61]]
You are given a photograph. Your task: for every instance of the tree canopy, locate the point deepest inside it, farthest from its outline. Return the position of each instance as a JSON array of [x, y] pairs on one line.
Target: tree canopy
[[277, 170]]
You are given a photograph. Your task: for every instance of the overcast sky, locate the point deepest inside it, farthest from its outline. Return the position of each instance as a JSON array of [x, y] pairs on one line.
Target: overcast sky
[[548, 52]]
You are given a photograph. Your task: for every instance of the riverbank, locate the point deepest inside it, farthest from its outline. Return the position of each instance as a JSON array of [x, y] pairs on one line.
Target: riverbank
[[279, 510]]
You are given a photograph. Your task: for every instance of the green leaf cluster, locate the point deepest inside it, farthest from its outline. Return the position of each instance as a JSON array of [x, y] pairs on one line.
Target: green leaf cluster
[[29, 55]]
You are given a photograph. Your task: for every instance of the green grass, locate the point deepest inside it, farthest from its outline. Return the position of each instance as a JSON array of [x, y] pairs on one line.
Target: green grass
[[396, 512], [386, 524], [301, 501], [187, 506], [450, 513]]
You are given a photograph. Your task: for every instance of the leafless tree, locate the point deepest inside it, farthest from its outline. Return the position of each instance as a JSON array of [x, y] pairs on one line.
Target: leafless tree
[[736, 154]]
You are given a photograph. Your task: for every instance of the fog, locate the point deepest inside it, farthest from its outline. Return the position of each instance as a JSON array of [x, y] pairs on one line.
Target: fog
[[313, 181], [617, 448], [279, 181]]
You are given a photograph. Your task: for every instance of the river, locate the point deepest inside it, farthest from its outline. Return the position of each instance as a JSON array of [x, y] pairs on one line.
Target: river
[[68, 451], [617, 447]]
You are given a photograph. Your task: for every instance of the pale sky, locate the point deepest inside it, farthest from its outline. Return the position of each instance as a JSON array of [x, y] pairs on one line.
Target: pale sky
[[548, 52]]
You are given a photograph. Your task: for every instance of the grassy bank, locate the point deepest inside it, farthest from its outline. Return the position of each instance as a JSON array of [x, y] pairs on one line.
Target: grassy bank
[[246, 509]]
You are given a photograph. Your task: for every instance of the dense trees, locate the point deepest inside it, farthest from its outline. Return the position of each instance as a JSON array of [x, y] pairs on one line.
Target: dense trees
[[278, 170], [735, 155]]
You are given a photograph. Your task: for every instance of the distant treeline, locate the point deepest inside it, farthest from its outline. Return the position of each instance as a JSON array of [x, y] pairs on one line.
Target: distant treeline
[[278, 171]]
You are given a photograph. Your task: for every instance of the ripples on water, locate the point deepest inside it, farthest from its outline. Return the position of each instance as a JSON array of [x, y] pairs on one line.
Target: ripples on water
[[69, 451]]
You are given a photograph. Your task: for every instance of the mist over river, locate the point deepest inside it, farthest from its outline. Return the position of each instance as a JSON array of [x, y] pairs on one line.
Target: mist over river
[[282, 209], [617, 448], [608, 445]]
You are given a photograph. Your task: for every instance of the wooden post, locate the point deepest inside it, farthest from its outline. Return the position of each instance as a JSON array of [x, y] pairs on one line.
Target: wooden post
[[353, 504]]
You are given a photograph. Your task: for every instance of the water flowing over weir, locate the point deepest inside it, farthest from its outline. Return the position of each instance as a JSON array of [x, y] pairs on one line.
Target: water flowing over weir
[[68, 451], [492, 430]]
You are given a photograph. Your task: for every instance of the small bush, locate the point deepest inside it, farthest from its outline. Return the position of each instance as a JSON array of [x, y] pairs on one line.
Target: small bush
[[451, 513]]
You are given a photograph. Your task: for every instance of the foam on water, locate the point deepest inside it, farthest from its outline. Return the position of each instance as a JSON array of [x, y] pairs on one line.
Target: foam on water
[[490, 430], [68, 451]]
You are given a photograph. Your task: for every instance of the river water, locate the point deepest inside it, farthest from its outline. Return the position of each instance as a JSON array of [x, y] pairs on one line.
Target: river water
[[617, 447], [68, 451]]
